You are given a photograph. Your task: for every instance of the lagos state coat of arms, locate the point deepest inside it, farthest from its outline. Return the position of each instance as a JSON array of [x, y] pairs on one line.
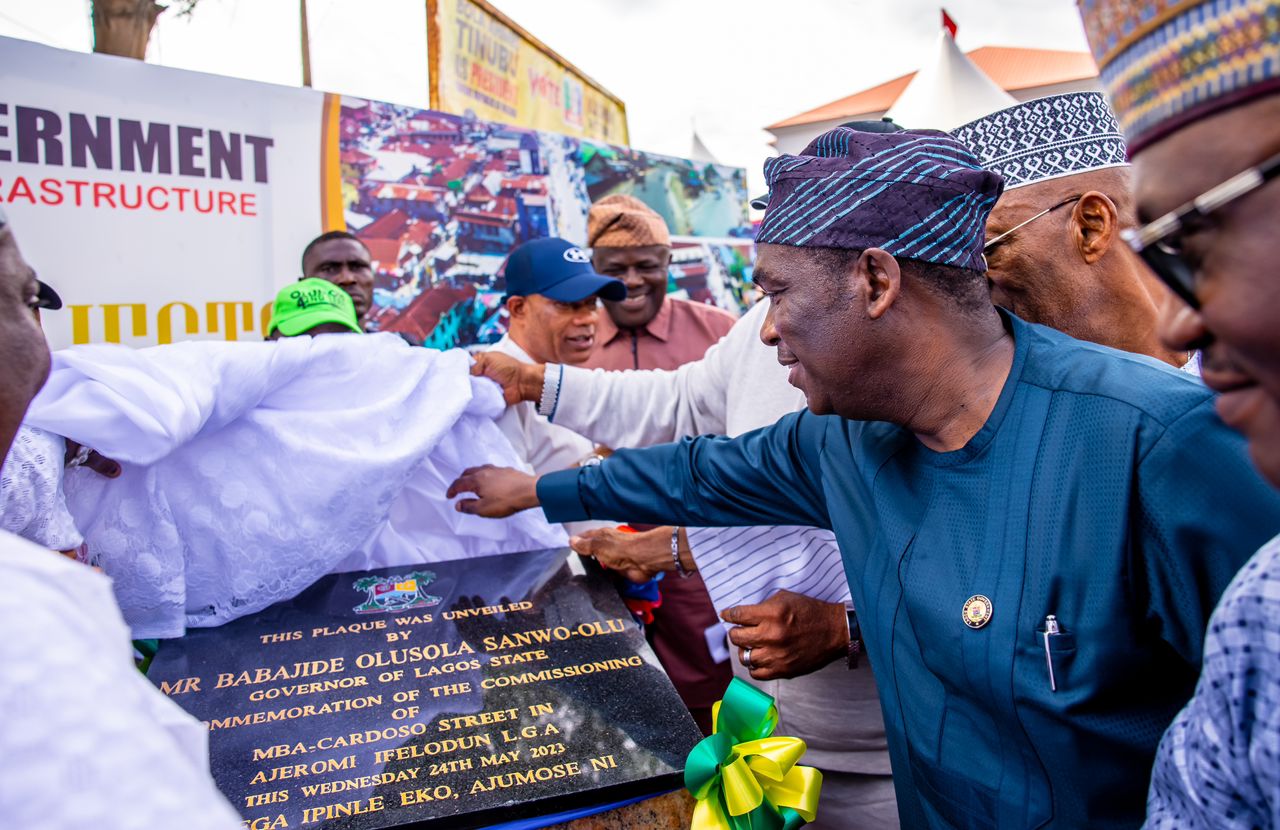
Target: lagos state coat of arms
[[388, 594]]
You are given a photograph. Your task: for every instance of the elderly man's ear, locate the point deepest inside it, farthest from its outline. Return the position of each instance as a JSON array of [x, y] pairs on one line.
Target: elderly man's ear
[[1095, 224]]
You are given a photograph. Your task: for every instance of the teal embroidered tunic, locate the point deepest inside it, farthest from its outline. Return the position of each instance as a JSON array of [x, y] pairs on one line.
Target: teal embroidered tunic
[[1103, 490]]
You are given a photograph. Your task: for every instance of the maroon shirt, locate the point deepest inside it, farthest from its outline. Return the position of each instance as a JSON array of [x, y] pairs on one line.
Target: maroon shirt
[[680, 333]]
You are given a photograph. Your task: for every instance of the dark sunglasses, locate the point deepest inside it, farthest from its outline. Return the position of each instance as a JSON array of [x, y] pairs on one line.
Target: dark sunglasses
[[1158, 244]]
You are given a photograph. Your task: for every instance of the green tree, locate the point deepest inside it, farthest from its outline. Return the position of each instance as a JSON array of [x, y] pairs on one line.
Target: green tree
[[367, 584], [424, 579]]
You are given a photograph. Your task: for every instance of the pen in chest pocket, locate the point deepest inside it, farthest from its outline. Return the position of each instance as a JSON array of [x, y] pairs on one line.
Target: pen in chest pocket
[[1051, 629]]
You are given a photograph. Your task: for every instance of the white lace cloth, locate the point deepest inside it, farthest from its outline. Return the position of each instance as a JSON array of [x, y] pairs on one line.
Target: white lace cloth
[[31, 499], [251, 469], [85, 740]]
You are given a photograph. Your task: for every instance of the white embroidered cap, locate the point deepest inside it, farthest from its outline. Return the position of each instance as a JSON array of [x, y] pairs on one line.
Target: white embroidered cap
[[1047, 138]]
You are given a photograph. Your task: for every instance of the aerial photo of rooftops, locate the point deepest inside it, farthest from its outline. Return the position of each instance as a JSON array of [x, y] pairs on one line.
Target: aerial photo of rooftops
[[440, 199]]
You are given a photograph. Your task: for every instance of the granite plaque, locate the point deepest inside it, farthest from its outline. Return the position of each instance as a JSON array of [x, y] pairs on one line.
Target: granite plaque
[[455, 694]]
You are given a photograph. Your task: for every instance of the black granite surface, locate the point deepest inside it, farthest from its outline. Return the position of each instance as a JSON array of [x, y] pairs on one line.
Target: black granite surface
[[569, 710]]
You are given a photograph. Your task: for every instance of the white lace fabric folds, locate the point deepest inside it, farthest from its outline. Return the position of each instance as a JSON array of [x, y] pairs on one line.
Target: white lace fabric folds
[[252, 469], [32, 503]]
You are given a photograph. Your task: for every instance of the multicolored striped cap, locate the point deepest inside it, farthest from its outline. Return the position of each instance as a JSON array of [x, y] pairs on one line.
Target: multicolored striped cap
[[1166, 63], [1047, 138], [916, 194]]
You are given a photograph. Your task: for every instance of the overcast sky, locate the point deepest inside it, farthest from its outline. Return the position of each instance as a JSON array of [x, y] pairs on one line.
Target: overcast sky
[[731, 66]]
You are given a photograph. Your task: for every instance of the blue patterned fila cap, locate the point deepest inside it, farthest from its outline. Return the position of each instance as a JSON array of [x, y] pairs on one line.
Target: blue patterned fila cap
[[916, 194], [1047, 138]]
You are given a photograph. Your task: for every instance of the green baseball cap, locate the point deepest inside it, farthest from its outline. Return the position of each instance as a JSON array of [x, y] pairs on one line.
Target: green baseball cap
[[308, 303]]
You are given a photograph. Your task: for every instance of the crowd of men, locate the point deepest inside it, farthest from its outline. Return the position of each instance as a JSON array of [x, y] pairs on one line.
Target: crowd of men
[[984, 485]]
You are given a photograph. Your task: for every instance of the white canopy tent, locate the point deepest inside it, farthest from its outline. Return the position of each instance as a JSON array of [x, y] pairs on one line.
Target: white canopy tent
[[698, 150], [948, 92]]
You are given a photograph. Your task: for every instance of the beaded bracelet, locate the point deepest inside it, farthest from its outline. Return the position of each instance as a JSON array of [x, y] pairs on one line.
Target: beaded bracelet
[[675, 553]]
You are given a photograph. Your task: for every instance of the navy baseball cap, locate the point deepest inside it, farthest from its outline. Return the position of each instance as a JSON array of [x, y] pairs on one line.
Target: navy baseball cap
[[559, 270]]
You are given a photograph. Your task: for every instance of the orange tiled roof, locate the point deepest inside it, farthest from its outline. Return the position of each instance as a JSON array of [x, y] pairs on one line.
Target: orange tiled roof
[[385, 252], [1010, 67]]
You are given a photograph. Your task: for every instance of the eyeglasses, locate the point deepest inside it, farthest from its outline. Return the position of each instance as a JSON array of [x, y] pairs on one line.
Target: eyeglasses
[[1002, 237], [1158, 244]]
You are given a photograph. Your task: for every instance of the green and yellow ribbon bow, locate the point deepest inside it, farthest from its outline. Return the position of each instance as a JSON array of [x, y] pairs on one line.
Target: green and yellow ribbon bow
[[743, 777]]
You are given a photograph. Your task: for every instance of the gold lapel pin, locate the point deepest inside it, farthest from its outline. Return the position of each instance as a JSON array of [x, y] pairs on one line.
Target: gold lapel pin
[[977, 611]]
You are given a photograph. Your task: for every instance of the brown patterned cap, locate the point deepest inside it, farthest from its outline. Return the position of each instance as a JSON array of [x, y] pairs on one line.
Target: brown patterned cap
[[621, 221]]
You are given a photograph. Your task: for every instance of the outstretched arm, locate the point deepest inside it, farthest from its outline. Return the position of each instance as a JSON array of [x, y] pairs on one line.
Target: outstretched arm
[[616, 409], [770, 476], [642, 408], [634, 408]]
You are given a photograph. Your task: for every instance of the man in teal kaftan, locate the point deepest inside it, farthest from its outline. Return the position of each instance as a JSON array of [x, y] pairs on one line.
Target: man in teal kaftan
[[1035, 529]]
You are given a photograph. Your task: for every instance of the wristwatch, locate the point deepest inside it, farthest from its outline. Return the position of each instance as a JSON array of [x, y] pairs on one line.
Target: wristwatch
[[855, 638]]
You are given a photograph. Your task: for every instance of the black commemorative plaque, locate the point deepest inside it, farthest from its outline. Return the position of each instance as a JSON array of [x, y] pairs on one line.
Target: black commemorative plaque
[[455, 694]]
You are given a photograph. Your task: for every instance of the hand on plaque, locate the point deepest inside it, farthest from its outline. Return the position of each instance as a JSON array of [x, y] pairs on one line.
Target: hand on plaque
[[519, 381], [789, 634], [637, 556], [498, 491], [480, 625]]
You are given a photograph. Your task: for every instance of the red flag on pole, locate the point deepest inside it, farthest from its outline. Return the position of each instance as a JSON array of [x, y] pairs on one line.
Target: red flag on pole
[[948, 24]]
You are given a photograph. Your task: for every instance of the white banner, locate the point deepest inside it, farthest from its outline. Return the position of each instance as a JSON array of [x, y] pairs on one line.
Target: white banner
[[161, 204]]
